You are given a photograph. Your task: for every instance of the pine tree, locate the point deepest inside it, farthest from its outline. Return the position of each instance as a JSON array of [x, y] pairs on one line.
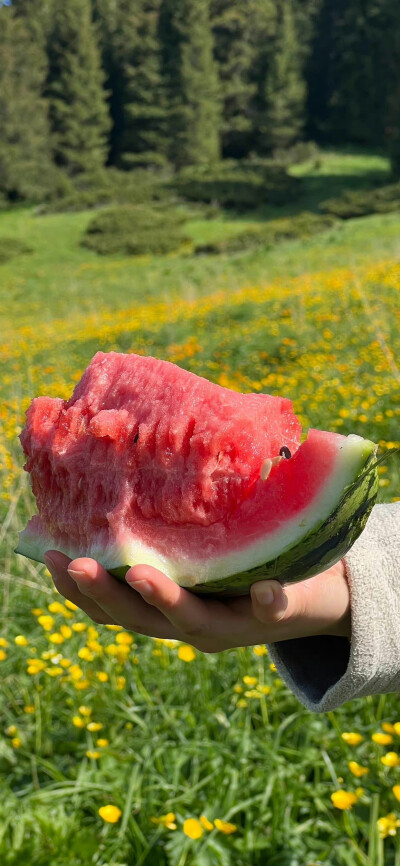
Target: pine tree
[[392, 127], [283, 118], [78, 109], [234, 54], [24, 151], [191, 83], [143, 134], [348, 72]]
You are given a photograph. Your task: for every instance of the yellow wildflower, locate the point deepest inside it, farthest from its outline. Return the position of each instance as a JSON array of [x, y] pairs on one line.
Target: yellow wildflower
[[29, 709], [388, 825], [206, 823], [56, 607], [124, 638], [391, 759], [66, 631], [95, 646], [225, 827], [396, 727], [16, 742], [11, 730], [3, 656], [343, 799], [102, 676], [167, 820], [260, 650], [70, 605], [351, 738], [56, 638], [250, 681], [387, 727], [85, 654], [110, 814], [102, 743], [21, 640], [46, 622], [396, 791], [192, 828], [3, 642], [357, 769], [120, 683], [94, 726], [78, 722], [79, 626], [76, 672], [382, 739], [85, 711], [82, 685], [93, 755], [186, 653]]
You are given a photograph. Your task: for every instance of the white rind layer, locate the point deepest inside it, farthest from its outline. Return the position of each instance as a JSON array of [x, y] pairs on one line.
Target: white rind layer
[[128, 551]]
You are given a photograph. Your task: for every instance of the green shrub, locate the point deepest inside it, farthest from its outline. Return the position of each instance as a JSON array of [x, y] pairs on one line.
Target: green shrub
[[10, 248], [383, 199], [134, 231], [302, 151], [304, 225], [105, 187], [239, 185]]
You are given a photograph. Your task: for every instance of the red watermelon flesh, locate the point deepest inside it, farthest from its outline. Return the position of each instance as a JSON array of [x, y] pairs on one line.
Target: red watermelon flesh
[[149, 460]]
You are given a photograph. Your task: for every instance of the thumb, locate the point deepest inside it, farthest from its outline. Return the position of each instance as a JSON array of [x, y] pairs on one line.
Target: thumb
[[317, 605], [271, 603]]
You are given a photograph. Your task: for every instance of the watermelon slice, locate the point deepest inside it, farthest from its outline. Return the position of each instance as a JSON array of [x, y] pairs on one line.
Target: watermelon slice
[[147, 463]]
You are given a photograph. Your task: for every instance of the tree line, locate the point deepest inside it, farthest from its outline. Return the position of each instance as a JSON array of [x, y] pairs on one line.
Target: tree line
[[153, 83]]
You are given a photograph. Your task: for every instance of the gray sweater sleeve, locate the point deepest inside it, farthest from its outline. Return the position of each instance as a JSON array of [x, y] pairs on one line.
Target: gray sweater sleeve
[[323, 671]]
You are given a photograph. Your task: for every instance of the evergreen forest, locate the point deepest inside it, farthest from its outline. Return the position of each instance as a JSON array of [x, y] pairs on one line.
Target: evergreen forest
[[164, 85]]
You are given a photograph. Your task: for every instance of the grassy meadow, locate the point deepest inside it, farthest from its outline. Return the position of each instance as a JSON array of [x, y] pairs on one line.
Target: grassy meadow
[[119, 750]]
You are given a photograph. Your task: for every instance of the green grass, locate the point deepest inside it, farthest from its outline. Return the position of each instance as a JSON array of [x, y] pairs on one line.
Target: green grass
[[317, 321]]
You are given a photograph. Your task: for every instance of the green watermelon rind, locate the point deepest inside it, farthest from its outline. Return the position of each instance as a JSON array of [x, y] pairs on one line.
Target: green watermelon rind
[[324, 546]]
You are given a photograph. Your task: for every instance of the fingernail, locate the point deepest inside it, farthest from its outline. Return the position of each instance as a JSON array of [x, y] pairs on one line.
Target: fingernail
[[264, 595], [141, 586], [76, 575]]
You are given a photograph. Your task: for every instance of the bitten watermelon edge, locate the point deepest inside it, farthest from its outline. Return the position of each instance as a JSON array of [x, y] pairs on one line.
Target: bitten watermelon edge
[[148, 463]]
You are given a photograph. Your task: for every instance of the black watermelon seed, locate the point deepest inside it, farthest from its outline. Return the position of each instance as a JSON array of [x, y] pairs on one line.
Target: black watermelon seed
[[135, 438], [284, 452]]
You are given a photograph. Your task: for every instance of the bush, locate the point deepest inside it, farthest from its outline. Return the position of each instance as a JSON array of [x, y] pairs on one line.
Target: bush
[[268, 234], [105, 187], [383, 199], [135, 231], [239, 185], [10, 248], [302, 151]]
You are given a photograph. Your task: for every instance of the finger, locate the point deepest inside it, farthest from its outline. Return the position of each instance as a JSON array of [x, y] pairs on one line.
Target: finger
[[271, 603], [57, 564], [190, 615], [117, 600]]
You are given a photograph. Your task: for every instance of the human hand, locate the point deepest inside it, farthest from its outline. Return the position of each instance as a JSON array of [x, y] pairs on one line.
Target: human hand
[[149, 603]]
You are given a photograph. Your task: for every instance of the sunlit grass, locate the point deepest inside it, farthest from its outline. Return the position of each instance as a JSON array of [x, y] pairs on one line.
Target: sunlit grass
[[117, 749]]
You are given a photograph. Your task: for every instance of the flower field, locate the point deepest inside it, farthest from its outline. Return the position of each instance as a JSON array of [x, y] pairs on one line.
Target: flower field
[[119, 750]]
